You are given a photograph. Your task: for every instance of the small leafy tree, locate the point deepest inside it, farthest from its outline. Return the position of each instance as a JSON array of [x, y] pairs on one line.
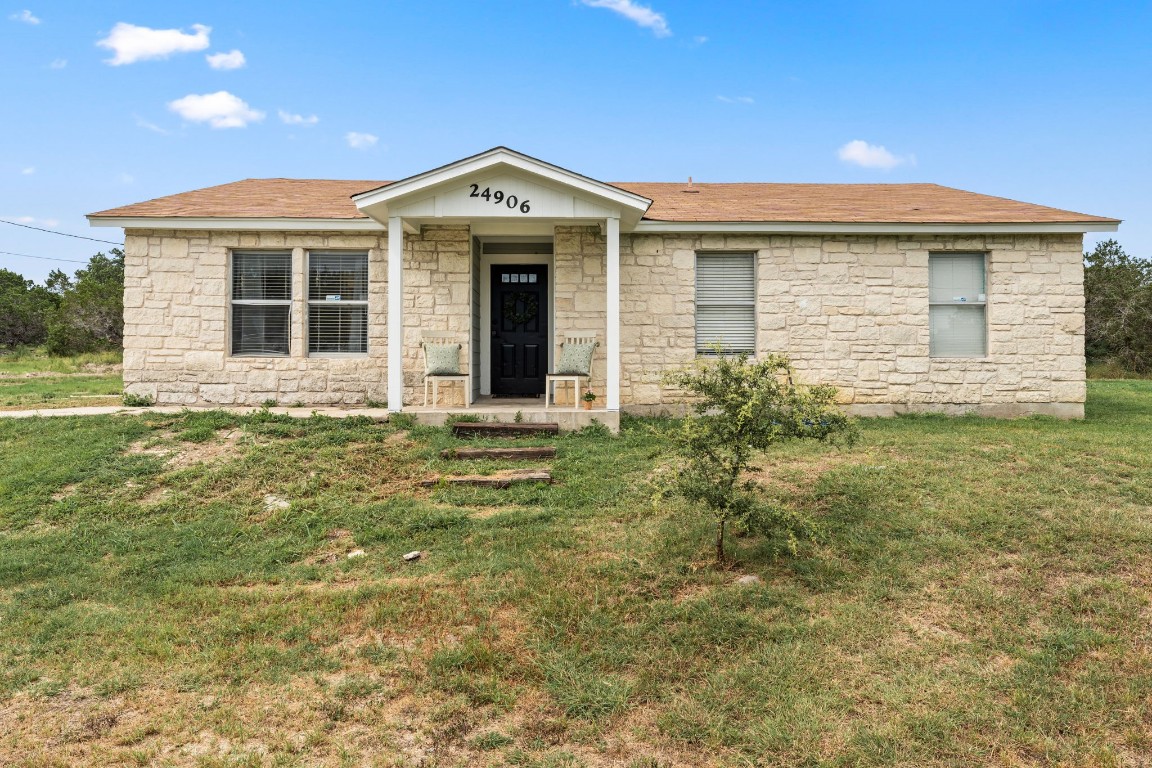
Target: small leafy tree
[[90, 315], [743, 407], [1118, 307]]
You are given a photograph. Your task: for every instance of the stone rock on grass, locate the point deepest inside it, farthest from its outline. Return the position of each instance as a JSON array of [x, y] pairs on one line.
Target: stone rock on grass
[[273, 503]]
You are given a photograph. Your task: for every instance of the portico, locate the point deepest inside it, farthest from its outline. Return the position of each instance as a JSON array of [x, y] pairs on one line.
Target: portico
[[537, 214]]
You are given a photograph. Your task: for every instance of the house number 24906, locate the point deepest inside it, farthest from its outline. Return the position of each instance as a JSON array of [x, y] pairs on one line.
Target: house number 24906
[[498, 197]]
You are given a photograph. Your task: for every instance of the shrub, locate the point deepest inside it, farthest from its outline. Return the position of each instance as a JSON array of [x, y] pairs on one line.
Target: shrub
[[743, 407], [137, 401]]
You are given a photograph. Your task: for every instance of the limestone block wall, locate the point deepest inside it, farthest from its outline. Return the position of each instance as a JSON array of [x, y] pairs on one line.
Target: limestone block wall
[[437, 297], [850, 310], [581, 294], [853, 311], [176, 334]]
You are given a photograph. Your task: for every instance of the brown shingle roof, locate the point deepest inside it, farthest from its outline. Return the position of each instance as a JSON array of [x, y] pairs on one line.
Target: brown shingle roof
[[258, 199], [848, 203]]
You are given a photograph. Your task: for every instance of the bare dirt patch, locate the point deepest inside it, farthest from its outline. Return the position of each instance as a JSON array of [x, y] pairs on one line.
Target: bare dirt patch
[[796, 475], [179, 455], [338, 542], [65, 492]]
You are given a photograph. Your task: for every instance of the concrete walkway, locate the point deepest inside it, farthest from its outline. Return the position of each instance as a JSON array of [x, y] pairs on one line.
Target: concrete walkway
[[376, 414]]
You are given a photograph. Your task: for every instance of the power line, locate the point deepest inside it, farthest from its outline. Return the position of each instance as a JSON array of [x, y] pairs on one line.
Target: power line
[[62, 234], [44, 258]]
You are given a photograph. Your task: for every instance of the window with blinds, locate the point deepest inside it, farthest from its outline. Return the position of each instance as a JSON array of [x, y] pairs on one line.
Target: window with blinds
[[261, 302], [337, 303], [725, 302], [956, 305]]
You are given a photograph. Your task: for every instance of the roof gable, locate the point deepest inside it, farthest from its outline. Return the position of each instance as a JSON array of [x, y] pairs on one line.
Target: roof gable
[[502, 183]]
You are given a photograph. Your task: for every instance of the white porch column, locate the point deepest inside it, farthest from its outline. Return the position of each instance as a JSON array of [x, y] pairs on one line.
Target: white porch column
[[612, 271], [395, 314]]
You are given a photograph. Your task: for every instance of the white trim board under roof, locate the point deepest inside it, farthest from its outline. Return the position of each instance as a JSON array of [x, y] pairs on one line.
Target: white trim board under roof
[[869, 228], [547, 191], [264, 224], [643, 227]]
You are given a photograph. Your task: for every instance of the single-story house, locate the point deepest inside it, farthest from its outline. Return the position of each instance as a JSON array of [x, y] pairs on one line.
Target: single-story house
[[908, 297]]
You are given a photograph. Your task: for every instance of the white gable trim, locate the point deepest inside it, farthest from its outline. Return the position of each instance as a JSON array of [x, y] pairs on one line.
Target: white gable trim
[[378, 203]]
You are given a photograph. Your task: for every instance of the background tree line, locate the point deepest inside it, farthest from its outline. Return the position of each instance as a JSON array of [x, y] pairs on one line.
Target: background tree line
[[1118, 308], [67, 315]]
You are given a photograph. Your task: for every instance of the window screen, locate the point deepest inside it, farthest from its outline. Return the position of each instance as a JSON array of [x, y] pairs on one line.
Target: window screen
[[956, 305], [261, 302], [337, 303], [725, 302]]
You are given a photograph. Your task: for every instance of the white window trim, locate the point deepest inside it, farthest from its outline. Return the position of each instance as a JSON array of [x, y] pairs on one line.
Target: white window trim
[[754, 303], [232, 302], [984, 304], [308, 303]]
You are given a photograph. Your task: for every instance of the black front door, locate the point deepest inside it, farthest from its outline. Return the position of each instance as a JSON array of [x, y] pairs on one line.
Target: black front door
[[519, 329]]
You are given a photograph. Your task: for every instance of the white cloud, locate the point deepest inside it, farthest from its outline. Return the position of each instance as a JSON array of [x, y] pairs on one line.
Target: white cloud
[[131, 43], [25, 16], [230, 60], [361, 140], [700, 39], [736, 99], [141, 122], [288, 118], [867, 155], [28, 171], [219, 110], [32, 221], [58, 64], [642, 15], [126, 178]]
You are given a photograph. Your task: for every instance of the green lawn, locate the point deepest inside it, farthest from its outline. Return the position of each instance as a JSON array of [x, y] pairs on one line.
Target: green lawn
[[980, 597], [33, 379]]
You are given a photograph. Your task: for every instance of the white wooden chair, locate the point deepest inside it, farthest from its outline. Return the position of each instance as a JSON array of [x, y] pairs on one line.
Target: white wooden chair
[[433, 380], [578, 380]]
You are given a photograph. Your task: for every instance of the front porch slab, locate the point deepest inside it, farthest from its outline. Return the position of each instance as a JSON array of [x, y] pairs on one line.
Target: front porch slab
[[510, 411]]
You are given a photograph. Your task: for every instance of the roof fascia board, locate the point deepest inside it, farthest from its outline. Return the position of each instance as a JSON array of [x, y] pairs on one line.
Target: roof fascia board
[[423, 182], [268, 224], [816, 227]]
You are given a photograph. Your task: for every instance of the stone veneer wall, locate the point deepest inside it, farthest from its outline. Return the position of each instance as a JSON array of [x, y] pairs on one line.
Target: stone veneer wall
[[850, 310], [581, 296], [176, 324], [437, 297], [853, 311]]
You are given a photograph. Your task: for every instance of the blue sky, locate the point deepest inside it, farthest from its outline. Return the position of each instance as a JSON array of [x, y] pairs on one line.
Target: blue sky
[[116, 102]]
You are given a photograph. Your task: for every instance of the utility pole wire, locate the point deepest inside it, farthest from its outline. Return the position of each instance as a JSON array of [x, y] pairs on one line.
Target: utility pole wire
[[62, 234], [44, 258]]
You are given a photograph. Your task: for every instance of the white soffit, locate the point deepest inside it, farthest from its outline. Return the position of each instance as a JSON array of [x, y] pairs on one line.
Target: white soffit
[[868, 228], [502, 184]]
